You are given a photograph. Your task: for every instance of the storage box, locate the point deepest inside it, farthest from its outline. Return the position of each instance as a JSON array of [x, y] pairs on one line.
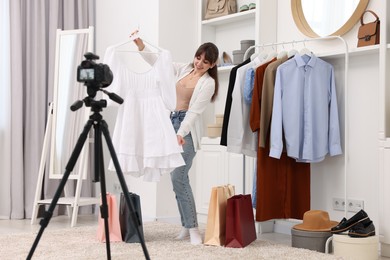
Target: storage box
[[238, 56], [214, 130], [245, 44], [219, 119], [364, 248], [313, 240]]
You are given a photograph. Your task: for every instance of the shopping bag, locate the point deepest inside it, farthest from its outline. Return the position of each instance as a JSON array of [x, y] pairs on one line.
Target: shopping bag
[[128, 227], [215, 228], [240, 221], [113, 222]]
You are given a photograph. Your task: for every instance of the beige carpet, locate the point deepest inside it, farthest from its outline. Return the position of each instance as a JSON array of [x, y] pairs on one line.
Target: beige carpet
[[81, 243]]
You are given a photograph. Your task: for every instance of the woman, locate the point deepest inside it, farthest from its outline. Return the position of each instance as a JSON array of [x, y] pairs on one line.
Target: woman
[[196, 86]]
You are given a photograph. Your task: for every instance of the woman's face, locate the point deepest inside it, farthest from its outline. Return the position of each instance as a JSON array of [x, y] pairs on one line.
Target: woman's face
[[201, 65]]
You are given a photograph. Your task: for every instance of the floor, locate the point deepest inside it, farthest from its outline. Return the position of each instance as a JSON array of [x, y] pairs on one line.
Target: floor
[[21, 226]]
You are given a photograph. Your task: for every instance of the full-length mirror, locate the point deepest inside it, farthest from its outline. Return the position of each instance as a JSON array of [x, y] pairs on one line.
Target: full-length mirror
[[67, 126], [318, 18]]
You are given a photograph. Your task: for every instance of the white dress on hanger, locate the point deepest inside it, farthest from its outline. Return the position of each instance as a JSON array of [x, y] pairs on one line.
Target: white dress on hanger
[[144, 138]]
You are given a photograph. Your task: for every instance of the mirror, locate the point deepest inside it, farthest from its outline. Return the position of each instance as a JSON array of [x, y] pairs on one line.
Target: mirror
[[67, 125], [319, 18]]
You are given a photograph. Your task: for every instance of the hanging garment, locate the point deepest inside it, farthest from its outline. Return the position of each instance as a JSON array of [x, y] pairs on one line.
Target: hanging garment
[[305, 110], [267, 95], [144, 138], [254, 113], [240, 138], [282, 186], [228, 103]]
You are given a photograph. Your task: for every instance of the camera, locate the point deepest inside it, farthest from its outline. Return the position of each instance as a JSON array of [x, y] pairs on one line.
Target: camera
[[95, 75]]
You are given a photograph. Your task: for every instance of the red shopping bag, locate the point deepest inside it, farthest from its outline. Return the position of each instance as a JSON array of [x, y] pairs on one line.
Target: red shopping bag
[[113, 222], [240, 222]]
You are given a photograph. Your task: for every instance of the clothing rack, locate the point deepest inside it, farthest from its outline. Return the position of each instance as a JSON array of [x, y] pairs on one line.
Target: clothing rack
[[346, 128]]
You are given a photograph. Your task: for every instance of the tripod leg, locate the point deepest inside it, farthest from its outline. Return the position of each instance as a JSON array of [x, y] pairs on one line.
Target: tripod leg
[[99, 173], [122, 181], [68, 169]]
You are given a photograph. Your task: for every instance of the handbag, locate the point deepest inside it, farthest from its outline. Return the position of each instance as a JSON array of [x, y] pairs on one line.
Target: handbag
[[369, 33], [128, 227], [113, 222], [216, 217], [240, 221], [217, 8]]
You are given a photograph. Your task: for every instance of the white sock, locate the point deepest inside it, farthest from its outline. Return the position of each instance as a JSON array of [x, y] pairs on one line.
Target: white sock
[[184, 233], [196, 238]]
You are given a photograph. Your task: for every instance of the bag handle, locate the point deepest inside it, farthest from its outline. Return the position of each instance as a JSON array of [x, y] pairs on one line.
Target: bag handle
[[368, 11]]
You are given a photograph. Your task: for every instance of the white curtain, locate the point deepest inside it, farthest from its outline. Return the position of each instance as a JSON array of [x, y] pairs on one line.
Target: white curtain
[[28, 29], [5, 108]]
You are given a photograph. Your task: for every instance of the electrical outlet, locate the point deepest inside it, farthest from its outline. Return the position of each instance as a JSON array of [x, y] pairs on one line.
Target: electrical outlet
[[352, 205], [117, 187], [338, 204], [355, 205]]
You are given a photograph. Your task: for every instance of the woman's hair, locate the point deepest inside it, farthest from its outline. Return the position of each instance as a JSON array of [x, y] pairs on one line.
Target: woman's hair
[[211, 54]]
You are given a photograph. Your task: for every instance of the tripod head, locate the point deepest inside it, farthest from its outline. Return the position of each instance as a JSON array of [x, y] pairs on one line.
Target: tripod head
[[95, 76]]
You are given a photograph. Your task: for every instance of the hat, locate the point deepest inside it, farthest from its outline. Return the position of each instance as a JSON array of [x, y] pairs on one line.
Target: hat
[[316, 220]]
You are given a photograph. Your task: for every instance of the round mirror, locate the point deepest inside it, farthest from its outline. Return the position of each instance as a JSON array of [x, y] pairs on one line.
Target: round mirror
[[319, 18]]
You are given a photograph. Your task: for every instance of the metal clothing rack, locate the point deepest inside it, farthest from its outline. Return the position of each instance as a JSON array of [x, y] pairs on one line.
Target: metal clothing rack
[[346, 128]]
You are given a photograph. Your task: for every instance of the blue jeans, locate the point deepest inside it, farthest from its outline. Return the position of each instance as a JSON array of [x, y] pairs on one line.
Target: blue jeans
[[180, 180]]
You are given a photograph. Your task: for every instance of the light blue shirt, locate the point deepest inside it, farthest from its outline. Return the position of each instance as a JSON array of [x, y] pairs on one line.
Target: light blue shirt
[[305, 110], [248, 85]]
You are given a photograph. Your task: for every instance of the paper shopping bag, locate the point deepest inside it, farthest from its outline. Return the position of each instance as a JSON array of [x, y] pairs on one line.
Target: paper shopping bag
[[128, 227], [240, 221], [113, 222], [215, 229]]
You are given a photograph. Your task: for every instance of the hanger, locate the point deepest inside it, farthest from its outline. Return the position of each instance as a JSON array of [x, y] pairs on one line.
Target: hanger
[[282, 53], [271, 55], [258, 58], [305, 51], [135, 35], [292, 52]]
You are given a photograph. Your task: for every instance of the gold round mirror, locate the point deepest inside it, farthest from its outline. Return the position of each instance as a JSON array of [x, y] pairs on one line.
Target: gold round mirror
[[319, 18]]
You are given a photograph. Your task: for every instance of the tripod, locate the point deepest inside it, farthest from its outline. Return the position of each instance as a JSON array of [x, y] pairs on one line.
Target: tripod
[[100, 126]]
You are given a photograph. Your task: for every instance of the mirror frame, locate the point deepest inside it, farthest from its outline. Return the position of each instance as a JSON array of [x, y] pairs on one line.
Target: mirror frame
[[304, 27], [82, 160]]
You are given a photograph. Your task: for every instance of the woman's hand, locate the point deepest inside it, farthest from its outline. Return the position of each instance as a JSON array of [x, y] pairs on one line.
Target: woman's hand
[[180, 140], [138, 41]]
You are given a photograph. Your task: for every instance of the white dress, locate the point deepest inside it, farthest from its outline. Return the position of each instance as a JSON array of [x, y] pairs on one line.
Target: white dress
[[144, 138]]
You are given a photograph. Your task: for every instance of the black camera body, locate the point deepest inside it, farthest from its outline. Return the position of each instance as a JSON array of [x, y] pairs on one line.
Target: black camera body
[[95, 75]]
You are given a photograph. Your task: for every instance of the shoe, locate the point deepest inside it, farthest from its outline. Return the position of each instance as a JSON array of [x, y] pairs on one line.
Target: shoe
[[244, 8], [364, 228], [345, 224], [226, 59], [252, 6]]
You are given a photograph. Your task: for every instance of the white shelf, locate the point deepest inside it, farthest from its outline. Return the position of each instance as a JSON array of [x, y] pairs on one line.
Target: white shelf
[[225, 68], [231, 18], [374, 49], [83, 201]]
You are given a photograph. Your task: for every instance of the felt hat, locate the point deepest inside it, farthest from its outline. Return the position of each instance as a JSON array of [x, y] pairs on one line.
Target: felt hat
[[316, 220]]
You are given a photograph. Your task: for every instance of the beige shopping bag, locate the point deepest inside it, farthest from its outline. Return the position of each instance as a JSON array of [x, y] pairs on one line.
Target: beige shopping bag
[[216, 219]]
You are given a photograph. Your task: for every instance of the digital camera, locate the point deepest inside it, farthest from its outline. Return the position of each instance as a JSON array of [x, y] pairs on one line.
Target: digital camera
[[95, 75]]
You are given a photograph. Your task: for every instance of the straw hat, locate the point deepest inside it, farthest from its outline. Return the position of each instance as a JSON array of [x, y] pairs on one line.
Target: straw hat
[[316, 220]]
